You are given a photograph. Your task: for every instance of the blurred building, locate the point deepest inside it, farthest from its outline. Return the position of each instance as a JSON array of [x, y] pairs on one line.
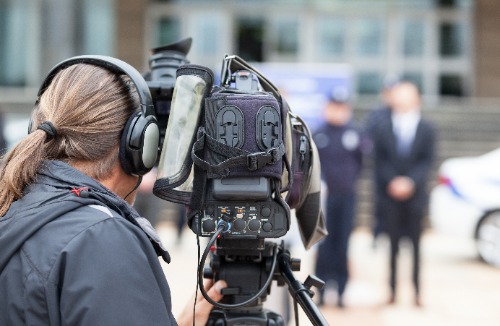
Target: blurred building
[[448, 47]]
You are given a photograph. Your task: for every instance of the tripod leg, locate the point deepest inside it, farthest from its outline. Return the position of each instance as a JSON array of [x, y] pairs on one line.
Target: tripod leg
[[299, 292]]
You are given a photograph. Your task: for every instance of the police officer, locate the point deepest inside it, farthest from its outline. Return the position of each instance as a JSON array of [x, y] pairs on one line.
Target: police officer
[[341, 144]]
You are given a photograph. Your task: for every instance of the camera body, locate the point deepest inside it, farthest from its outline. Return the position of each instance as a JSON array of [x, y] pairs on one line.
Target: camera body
[[243, 203], [237, 156]]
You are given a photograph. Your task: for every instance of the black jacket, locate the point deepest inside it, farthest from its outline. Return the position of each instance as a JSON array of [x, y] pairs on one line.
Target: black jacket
[[417, 165], [74, 253]]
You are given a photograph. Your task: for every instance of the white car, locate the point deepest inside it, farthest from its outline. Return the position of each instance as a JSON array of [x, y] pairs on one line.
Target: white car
[[467, 202]]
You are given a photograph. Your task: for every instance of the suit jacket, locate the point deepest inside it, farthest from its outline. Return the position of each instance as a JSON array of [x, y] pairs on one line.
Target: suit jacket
[[416, 165]]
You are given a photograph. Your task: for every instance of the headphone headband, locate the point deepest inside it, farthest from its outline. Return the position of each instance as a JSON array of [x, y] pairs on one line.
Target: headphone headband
[[114, 65]]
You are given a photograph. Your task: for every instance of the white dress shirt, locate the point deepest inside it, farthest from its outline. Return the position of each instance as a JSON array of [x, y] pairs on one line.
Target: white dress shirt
[[404, 127]]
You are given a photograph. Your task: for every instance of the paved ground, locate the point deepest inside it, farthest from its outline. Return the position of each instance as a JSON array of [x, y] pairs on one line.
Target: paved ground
[[457, 289]]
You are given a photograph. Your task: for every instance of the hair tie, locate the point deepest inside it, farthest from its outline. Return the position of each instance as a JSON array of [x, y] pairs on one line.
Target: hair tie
[[49, 129]]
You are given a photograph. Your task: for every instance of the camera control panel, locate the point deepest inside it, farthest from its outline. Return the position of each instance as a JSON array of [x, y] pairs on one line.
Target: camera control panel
[[249, 220]]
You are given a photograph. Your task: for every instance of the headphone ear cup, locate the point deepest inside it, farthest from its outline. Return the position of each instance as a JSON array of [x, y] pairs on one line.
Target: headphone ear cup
[[125, 163], [139, 144]]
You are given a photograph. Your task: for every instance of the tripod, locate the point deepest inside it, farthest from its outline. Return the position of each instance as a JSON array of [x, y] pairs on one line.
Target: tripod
[[248, 266]]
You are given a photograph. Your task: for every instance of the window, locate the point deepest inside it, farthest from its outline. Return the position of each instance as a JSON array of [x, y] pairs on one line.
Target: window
[[370, 37], [69, 28], [445, 3], [452, 36], [453, 3], [208, 30], [331, 37], [250, 35], [168, 30], [97, 27], [413, 38], [451, 85], [285, 36], [13, 43]]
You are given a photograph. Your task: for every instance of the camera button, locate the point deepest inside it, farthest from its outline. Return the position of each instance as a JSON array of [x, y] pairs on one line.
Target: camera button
[[239, 224], [254, 225], [208, 225], [266, 211]]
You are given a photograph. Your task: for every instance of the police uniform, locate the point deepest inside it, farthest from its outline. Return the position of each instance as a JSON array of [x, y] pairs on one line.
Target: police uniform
[[340, 149]]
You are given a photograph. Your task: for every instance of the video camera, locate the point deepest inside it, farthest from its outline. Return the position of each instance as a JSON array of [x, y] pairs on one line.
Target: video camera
[[239, 159]]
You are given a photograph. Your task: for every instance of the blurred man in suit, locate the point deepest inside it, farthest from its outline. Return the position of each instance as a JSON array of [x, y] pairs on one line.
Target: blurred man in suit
[[404, 152]]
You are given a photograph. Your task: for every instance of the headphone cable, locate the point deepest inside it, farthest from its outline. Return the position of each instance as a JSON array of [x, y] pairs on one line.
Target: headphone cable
[[135, 187]]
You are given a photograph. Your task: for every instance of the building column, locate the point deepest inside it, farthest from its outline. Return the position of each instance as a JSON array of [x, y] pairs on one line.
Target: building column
[[487, 48], [130, 30]]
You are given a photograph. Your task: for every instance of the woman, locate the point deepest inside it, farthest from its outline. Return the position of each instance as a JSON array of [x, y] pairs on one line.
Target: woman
[[73, 250]]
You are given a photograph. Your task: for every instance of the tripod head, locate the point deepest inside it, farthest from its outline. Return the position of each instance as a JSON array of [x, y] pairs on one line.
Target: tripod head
[[248, 267]]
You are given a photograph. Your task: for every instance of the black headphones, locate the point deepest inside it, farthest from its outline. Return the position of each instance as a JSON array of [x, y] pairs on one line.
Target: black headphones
[[140, 139]]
